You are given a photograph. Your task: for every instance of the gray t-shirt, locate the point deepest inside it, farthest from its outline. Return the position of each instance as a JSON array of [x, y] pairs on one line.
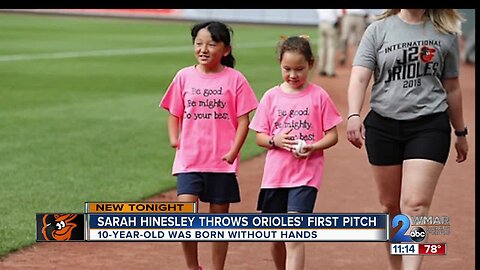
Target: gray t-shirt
[[408, 62]]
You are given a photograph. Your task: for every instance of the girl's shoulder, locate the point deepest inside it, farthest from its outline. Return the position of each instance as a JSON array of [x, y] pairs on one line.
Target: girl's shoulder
[[184, 73], [317, 92], [186, 70], [233, 72], [273, 91], [316, 89], [270, 94]]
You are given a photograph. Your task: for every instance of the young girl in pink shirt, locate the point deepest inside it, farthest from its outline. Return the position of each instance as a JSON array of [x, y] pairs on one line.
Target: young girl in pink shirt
[[292, 111], [209, 105]]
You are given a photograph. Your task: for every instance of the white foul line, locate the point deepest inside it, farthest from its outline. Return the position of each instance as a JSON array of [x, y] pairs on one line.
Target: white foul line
[[114, 52]]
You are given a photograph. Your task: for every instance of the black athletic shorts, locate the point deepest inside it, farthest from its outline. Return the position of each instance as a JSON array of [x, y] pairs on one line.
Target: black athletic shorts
[[218, 188], [283, 200], [390, 142]]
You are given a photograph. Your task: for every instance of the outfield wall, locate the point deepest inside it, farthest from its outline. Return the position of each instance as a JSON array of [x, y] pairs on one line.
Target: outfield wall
[[271, 16]]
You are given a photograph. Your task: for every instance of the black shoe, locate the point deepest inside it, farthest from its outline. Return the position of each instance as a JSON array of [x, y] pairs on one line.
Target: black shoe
[[323, 73], [342, 62]]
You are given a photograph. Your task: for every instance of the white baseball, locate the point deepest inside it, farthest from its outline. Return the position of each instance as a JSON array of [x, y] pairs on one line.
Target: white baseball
[[299, 147]]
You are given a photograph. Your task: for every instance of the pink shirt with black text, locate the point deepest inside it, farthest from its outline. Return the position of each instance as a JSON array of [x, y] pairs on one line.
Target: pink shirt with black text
[[310, 113], [208, 106]]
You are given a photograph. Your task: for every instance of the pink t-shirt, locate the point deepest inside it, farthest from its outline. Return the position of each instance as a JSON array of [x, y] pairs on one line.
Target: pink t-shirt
[[208, 106], [310, 113]]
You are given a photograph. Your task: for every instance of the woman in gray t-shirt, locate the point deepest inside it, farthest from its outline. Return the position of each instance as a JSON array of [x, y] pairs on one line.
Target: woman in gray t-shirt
[[414, 57]]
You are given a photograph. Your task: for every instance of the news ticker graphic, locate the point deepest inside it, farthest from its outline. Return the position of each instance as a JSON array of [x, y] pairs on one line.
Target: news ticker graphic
[[237, 227], [416, 228], [418, 249], [107, 221]]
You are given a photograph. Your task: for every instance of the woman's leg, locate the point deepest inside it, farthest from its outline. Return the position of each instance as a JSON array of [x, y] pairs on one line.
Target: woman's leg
[[389, 183], [420, 177]]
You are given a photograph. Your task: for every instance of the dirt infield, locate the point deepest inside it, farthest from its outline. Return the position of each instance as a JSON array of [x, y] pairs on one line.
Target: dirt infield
[[347, 187]]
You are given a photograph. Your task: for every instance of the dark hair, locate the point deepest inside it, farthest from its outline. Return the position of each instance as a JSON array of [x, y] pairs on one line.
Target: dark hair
[[296, 44], [220, 32]]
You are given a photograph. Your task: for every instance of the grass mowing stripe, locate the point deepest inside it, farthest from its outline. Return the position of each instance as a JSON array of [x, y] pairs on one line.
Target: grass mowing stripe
[[115, 52]]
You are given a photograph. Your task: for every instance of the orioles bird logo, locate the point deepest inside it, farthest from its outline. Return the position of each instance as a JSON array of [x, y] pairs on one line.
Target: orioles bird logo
[[426, 54], [59, 227]]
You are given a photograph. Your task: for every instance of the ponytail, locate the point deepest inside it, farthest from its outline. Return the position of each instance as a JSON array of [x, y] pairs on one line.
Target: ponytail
[[228, 60]]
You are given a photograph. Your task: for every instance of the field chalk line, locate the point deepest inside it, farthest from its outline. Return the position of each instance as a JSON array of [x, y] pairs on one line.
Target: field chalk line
[[116, 52]]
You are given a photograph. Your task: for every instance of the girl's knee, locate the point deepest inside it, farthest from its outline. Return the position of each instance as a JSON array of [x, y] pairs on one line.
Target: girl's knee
[[295, 245]]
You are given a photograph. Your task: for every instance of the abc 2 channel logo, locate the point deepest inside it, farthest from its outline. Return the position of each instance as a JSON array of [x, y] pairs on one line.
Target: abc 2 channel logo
[[60, 227], [417, 234]]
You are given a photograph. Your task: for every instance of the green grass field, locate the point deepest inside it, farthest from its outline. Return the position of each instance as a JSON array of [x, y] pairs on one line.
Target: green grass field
[[79, 116]]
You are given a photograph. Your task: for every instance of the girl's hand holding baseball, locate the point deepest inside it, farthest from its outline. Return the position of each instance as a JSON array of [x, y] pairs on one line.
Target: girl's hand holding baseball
[[305, 151]]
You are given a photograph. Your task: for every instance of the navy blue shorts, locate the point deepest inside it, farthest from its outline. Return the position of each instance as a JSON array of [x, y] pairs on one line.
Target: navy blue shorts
[[390, 142], [284, 200], [218, 188]]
